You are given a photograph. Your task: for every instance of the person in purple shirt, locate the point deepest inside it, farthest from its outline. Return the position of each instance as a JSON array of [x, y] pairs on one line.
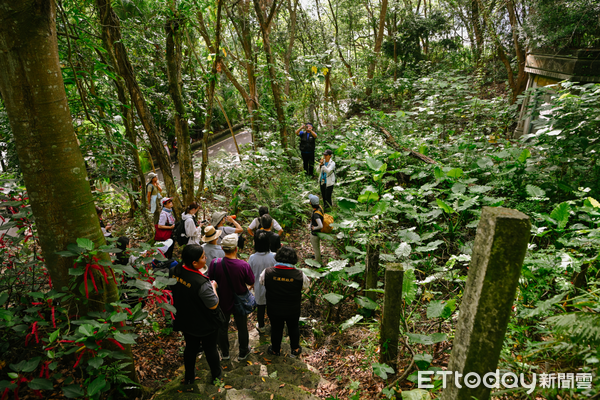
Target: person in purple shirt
[[241, 277]]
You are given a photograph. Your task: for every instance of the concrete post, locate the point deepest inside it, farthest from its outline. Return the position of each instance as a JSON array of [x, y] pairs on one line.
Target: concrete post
[[498, 253], [371, 270], [390, 320]]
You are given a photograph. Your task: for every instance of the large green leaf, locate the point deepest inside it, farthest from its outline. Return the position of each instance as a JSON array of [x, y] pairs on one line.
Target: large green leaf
[[124, 338], [381, 370], [427, 339], [403, 250], [73, 391], [96, 386], [351, 322], [442, 204], [455, 173], [368, 197], [374, 163], [380, 208], [333, 298], [40, 384], [416, 394], [525, 154], [365, 302], [85, 243], [561, 214]]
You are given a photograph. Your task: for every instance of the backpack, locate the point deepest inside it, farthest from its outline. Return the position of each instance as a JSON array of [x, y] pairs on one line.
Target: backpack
[[327, 221], [179, 233]]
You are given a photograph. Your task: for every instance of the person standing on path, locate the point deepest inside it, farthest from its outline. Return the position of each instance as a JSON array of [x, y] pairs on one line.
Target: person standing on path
[[255, 224], [284, 285], [326, 171], [153, 191], [218, 220], [274, 242], [196, 300], [260, 261], [316, 224], [241, 276], [192, 231], [167, 221], [308, 140], [211, 248]]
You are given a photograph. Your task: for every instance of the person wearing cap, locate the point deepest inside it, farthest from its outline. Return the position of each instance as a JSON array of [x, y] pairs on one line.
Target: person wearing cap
[[255, 224], [218, 220], [316, 224], [211, 248], [241, 277], [259, 261], [153, 191], [326, 171], [284, 284], [308, 139], [167, 221], [196, 300]]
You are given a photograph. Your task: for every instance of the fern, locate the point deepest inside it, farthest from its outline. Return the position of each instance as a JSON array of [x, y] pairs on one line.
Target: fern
[[582, 328]]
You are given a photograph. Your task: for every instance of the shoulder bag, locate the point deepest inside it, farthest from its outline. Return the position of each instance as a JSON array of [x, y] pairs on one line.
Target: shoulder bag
[[242, 304]]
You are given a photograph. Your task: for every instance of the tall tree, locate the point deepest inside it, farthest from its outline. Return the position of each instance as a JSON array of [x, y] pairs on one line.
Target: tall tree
[[377, 49], [211, 95], [53, 168], [111, 37], [265, 28], [182, 131]]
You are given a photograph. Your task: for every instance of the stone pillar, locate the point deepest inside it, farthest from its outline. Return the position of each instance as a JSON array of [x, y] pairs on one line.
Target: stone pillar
[[390, 320], [498, 253], [371, 270]]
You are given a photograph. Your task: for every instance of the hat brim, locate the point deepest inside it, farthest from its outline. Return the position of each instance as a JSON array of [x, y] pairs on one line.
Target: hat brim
[[214, 236]]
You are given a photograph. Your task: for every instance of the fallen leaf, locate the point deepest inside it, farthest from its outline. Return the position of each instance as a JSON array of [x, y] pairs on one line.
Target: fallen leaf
[[282, 385], [263, 379], [272, 395], [228, 387]]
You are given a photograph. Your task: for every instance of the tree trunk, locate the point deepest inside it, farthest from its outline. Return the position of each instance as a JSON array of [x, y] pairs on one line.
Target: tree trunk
[[53, 168], [377, 49], [111, 37], [288, 54], [475, 21], [337, 44], [211, 96], [182, 131], [265, 25], [521, 81]]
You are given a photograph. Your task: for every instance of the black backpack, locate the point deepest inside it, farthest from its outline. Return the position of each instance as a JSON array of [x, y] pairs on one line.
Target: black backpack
[[179, 233]]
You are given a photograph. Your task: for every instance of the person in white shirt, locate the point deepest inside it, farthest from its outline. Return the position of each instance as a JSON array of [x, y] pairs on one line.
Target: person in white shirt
[[192, 231], [255, 224]]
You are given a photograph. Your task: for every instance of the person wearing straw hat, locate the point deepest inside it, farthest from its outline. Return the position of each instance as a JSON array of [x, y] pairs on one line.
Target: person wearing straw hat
[[238, 272], [211, 248]]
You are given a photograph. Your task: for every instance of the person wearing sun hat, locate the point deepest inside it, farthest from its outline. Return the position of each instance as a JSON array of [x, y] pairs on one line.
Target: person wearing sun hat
[[315, 226], [211, 248], [241, 276], [218, 220]]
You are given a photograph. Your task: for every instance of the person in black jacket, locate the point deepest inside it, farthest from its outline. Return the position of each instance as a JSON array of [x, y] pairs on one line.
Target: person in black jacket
[[308, 138], [195, 298], [274, 241], [284, 285]]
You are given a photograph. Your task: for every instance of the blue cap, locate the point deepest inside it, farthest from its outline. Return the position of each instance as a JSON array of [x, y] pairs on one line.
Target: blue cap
[[314, 200]]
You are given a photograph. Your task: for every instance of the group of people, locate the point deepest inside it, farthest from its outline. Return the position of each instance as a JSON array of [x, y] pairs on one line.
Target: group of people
[[211, 277], [209, 281]]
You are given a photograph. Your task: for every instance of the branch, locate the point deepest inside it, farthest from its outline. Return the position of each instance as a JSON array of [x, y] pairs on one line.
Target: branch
[[392, 142]]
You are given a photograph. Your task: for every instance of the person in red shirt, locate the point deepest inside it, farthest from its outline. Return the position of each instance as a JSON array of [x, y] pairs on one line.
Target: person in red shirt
[[241, 277]]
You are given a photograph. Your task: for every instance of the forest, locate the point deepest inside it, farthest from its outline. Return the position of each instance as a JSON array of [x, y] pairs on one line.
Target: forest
[[464, 231]]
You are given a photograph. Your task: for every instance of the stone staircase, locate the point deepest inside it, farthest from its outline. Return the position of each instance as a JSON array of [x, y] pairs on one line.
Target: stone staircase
[[259, 377]]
